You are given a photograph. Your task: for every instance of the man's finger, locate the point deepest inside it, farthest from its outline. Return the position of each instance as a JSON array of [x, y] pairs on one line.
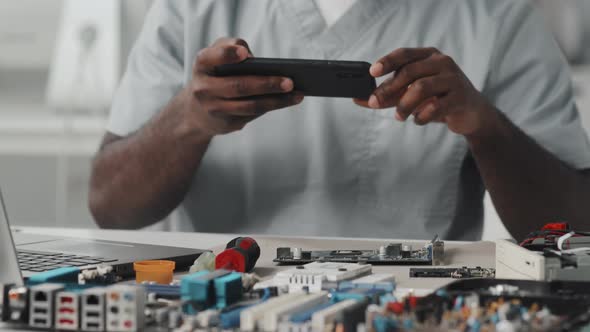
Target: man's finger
[[246, 86], [427, 112], [233, 41], [385, 93], [361, 102], [213, 56], [437, 112], [256, 105], [230, 41], [422, 90], [399, 58]]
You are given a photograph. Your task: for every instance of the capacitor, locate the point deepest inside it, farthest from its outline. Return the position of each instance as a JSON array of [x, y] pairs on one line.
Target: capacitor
[[297, 252], [406, 251], [393, 249]]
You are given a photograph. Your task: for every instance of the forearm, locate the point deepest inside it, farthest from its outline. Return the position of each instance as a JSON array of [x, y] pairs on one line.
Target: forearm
[[140, 179], [528, 185]]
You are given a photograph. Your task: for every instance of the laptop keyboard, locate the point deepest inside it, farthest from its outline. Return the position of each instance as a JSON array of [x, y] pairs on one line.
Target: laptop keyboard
[[36, 261]]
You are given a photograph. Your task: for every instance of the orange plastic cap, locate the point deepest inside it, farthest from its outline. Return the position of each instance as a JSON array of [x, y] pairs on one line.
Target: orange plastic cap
[[158, 271]]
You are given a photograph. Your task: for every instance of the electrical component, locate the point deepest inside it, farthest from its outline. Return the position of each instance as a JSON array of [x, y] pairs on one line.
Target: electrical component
[[208, 318], [305, 315], [42, 305], [15, 304], [549, 235], [169, 292], [228, 289], [205, 261], [313, 276], [390, 254], [273, 316], [324, 319], [374, 278], [206, 289], [230, 317], [516, 262], [125, 308], [470, 304], [93, 312], [158, 271], [457, 273], [240, 255], [350, 317], [67, 310], [251, 318], [371, 295], [100, 275]]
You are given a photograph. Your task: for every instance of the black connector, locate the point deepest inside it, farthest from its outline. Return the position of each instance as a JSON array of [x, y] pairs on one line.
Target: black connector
[[92, 300], [40, 297]]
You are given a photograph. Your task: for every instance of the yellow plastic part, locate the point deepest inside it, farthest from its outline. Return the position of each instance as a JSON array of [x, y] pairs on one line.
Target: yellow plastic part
[[158, 271]]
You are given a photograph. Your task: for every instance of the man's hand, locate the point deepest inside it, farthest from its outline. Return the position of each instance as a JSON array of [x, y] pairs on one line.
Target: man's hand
[[225, 104], [432, 87]]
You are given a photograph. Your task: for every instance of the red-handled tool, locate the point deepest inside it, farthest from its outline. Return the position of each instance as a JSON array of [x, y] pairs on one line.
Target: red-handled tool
[[240, 255]]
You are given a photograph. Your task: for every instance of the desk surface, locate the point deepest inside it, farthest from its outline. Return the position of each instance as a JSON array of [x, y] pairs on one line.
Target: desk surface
[[457, 254]]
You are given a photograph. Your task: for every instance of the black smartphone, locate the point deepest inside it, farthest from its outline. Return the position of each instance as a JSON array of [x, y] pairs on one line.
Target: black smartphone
[[324, 78]]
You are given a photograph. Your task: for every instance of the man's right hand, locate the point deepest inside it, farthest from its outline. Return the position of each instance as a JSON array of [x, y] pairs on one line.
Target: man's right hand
[[221, 105]]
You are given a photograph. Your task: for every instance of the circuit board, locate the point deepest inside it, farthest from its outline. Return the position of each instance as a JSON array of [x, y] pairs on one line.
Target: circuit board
[[342, 299], [391, 254], [456, 273]]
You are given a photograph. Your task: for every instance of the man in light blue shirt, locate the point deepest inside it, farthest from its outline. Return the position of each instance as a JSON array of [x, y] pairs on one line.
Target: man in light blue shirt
[[482, 95]]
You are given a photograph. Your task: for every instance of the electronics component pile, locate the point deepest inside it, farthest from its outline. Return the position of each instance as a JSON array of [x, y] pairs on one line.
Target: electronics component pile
[[313, 297], [324, 291], [556, 252]]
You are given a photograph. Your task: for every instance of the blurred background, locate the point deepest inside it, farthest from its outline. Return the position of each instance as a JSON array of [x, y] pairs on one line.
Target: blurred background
[[59, 56]]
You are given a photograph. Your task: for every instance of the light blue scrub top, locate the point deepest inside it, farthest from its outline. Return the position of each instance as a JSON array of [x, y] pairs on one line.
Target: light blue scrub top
[[327, 166]]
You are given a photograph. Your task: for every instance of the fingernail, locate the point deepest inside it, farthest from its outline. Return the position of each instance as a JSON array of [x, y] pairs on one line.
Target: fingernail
[[376, 69], [398, 117], [373, 102], [242, 52], [286, 84], [298, 98]]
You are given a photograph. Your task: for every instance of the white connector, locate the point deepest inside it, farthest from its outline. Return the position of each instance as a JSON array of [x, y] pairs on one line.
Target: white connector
[[42, 305], [67, 311], [275, 315], [251, 318], [92, 312], [125, 308]]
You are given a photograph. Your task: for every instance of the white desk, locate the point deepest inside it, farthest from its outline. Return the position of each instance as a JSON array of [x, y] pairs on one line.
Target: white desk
[[457, 254]]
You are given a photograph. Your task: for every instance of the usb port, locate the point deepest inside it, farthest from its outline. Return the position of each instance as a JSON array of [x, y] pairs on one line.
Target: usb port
[[92, 314], [92, 325], [40, 310], [40, 321]]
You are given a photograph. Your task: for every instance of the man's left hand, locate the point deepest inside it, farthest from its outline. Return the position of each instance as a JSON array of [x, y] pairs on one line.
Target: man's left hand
[[430, 85]]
